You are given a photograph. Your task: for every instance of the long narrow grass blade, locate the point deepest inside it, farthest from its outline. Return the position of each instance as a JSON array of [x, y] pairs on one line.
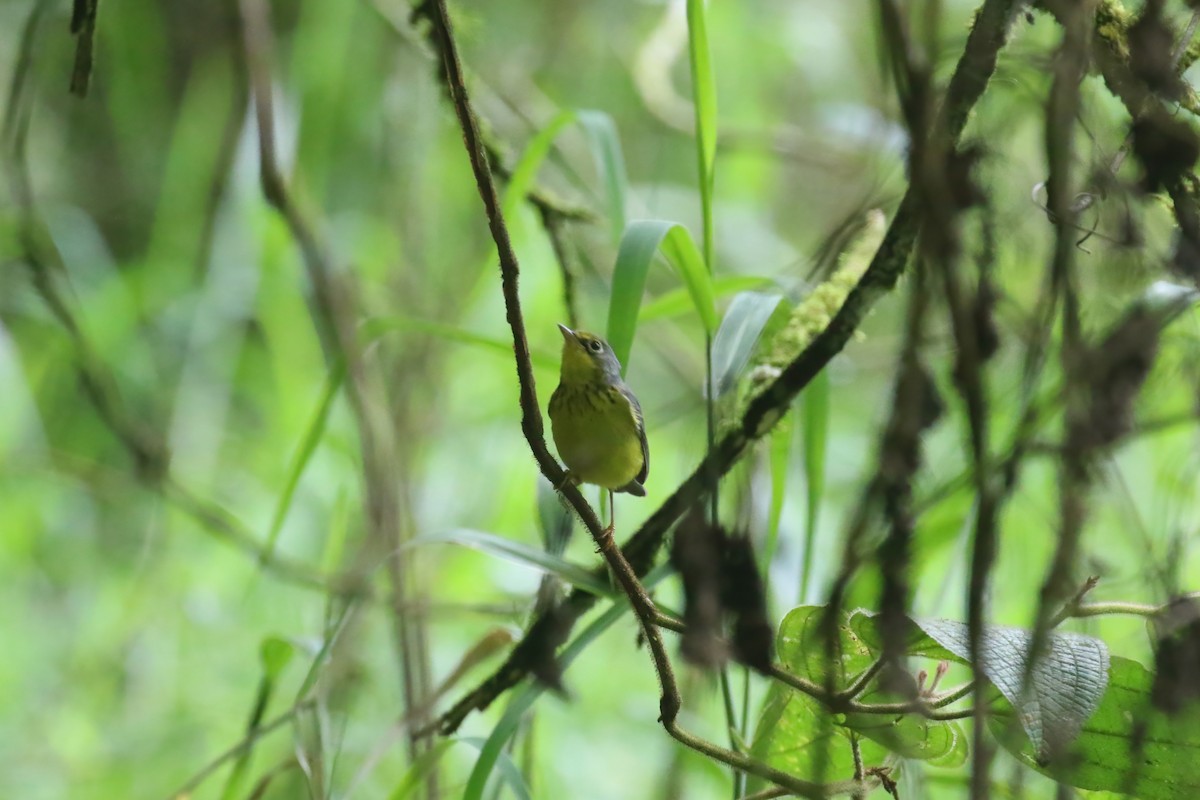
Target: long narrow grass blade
[[376, 327], [531, 159], [523, 700], [610, 164], [779, 458], [744, 321], [308, 445], [704, 90], [570, 573], [816, 434], [678, 302]]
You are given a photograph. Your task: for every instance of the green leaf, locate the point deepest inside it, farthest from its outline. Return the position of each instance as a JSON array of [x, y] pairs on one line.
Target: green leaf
[[704, 91], [816, 436], [642, 239], [275, 653], [942, 744], [1106, 754], [779, 458], [677, 302], [610, 164], [744, 321], [524, 698], [573, 574], [527, 166], [308, 445], [797, 734], [421, 766]]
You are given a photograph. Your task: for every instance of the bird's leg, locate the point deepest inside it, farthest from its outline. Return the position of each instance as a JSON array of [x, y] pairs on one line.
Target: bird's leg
[[567, 478], [607, 533]]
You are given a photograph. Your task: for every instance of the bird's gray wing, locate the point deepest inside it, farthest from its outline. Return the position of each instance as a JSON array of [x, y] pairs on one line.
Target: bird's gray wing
[[636, 407]]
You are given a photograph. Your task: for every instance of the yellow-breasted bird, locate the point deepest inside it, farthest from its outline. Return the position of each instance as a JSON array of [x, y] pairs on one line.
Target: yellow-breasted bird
[[596, 421]]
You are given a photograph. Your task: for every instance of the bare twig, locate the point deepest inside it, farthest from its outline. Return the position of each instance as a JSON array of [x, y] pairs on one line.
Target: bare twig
[[83, 26]]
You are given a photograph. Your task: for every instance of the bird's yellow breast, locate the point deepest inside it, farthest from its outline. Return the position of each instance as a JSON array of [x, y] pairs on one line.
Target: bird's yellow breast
[[596, 434]]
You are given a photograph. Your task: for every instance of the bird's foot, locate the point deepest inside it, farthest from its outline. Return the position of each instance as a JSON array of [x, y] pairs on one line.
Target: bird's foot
[[605, 540]]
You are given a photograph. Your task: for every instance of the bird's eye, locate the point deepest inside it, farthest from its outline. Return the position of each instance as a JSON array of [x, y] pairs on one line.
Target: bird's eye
[[595, 345]]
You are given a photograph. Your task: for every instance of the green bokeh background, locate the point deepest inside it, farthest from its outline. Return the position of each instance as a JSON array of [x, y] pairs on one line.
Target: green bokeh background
[[133, 629]]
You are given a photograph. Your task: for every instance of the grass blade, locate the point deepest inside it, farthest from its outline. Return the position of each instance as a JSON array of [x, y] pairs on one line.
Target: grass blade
[[779, 458], [704, 90], [677, 302], [816, 434], [376, 327], [642, 239], [567, 571], [308, 445], [744, 321], [523, 700], [531, 159], [610, 164]]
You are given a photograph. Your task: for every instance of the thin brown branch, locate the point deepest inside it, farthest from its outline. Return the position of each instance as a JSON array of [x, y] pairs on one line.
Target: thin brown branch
[[83, 27]]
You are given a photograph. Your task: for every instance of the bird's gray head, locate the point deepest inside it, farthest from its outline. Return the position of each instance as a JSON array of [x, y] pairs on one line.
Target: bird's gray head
[[586, 357]]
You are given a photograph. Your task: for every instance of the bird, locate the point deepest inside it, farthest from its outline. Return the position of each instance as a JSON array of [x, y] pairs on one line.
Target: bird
[[597, 421]]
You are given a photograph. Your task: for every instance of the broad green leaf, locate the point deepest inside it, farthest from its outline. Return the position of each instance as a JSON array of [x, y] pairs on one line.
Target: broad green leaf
[[610, 164], [524, 698], [1106, 756], [795, 734], [574, 574], [815, 400], [744, 321], [376, 327], [677, 302], [308, 445], [795, 729], [642, 239], [803, 649], [942, 744]]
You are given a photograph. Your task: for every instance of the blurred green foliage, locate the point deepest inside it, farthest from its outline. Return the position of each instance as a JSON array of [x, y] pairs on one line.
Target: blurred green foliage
[[140, 635]]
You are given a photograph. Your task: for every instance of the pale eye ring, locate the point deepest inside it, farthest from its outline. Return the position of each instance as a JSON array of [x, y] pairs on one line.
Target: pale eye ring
[[595, 346]]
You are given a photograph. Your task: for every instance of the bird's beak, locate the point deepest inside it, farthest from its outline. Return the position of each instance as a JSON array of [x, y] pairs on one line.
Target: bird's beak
[[567, 333]]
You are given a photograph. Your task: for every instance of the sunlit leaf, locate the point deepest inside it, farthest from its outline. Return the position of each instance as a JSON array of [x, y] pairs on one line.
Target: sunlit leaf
[[1126, 745]]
